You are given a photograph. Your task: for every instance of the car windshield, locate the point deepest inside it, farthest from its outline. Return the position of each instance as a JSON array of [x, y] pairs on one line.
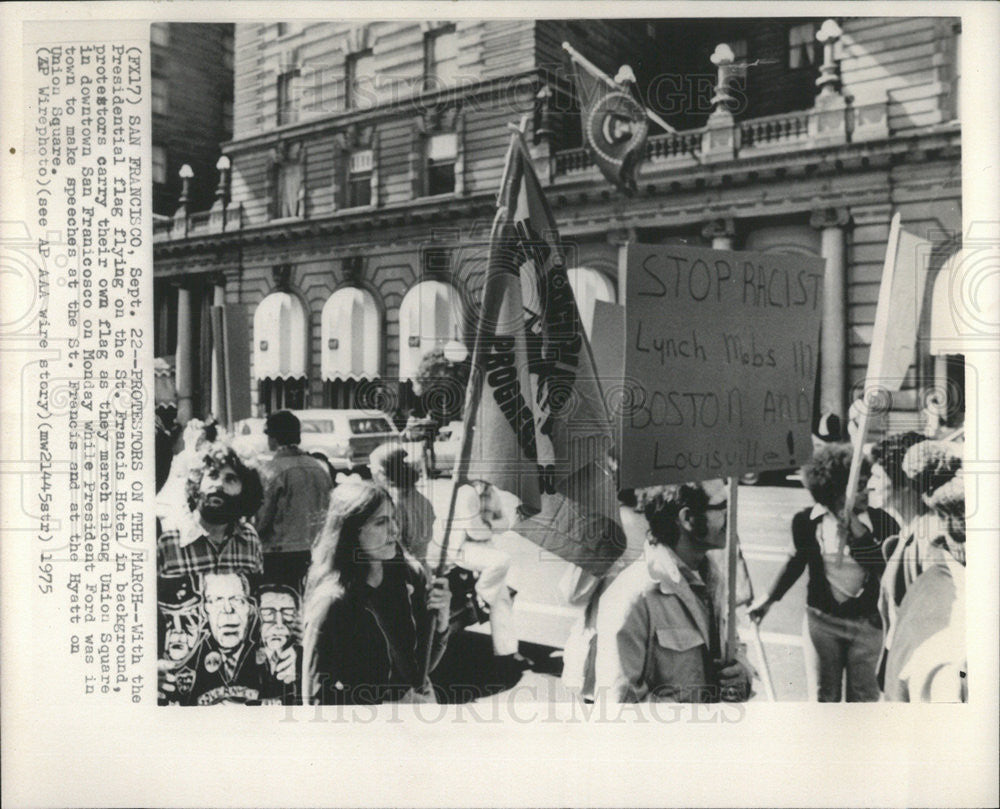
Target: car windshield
[[317, 426], [373, 425]]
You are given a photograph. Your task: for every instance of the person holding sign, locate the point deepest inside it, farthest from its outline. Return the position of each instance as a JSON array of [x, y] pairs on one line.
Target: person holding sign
[[658, 633], [842, 596]]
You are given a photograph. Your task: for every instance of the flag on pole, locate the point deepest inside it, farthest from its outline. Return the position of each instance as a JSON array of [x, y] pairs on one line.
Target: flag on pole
[[894, 337], [615, 124], [540, 428]]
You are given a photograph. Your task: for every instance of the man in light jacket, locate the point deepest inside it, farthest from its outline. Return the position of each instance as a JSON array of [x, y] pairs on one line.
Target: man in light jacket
[[659, 626]]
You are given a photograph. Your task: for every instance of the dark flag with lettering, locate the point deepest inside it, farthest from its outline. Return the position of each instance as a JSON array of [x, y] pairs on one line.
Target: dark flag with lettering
[[541, 429], [614, 125]]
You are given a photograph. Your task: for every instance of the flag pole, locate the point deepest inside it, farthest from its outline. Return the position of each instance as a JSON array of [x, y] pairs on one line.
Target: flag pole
[[732, 546], [759, 646], [473, 394], [875, 364]]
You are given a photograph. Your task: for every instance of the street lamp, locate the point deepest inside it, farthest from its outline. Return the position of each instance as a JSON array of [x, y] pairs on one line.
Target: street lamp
[[222, 165], [828, 80], [186, 173], [723, 58]]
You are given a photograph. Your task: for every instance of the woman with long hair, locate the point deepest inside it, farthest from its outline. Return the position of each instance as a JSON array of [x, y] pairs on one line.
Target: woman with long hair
[[369, 607]]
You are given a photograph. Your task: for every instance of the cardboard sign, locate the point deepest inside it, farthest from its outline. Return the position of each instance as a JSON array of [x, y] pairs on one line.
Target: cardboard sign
[[721, 357]]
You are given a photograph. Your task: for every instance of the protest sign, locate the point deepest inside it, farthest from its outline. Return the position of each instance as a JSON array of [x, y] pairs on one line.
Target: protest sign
[[720, 359]]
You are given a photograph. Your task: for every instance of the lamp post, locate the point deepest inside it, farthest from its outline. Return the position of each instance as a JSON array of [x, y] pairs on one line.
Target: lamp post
[[829, 72], [829, 125], [222, 165], [185, 174], [719, 140], [222, 192], [723, 59]]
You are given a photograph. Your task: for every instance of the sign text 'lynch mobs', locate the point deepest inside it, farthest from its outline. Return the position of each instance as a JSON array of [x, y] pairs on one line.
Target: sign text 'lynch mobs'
[[721, 355]]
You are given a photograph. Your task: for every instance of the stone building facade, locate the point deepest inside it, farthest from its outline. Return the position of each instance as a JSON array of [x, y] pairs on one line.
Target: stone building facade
[[354, 204]]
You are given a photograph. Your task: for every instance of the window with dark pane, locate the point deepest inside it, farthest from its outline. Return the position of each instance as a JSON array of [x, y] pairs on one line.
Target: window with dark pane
[[359, 179], [442, 149]]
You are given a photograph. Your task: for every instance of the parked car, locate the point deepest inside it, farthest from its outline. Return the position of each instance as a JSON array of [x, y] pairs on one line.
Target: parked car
[[345, 438], [773, 477]]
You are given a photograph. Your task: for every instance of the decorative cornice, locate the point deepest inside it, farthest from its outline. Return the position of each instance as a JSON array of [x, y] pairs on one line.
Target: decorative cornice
[[719, 228], [675, 195], [832, 217]]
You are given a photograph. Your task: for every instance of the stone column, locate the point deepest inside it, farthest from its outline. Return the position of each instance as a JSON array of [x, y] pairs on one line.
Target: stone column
[[833, 332], [218, 389], [183, 359], [621, 238], [720, 232]]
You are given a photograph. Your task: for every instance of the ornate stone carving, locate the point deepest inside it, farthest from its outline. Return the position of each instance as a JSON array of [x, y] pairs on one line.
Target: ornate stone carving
[[833, 217]]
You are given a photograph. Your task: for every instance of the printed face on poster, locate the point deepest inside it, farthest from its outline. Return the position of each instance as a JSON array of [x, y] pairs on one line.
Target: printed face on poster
[[721, 356]]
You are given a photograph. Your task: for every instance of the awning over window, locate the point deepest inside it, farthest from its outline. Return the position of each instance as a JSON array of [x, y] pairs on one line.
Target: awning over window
[[280, 337], [351, 335], [428, 319], [588, 286], [947, 295]]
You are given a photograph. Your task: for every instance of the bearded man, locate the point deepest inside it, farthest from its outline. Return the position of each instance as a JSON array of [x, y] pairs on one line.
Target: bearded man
[[214, 536]]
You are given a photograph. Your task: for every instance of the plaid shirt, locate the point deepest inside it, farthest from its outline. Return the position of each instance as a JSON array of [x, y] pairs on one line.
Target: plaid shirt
[[184, 550]]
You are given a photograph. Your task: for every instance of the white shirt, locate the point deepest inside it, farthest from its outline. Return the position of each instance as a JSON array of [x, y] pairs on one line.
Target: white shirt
[[845, 575]]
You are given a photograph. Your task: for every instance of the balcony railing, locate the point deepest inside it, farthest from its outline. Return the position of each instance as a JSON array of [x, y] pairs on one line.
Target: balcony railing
[[186, 225], [788, 132], [775, 131]]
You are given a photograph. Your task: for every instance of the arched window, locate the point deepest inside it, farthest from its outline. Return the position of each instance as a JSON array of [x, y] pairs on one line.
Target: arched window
[[589, 286], [281, 352], [429, 318], [351, 344]]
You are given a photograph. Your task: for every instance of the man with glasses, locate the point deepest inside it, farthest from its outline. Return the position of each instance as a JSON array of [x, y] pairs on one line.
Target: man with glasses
[[230, 666], [659, 623], [281, 640]]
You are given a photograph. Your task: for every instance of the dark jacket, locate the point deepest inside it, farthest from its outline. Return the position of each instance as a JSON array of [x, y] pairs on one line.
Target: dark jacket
[[351, 657], [866, 551]]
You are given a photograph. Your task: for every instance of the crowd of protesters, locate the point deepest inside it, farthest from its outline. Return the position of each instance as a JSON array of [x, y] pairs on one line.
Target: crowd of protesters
[[279, 584]]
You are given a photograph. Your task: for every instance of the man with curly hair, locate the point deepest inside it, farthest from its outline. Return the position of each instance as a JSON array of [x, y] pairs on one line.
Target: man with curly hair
[[843, 590], [214, 536]]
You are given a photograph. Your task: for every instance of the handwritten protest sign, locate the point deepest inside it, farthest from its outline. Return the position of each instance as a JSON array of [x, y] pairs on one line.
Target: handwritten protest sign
[[720, 359]]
